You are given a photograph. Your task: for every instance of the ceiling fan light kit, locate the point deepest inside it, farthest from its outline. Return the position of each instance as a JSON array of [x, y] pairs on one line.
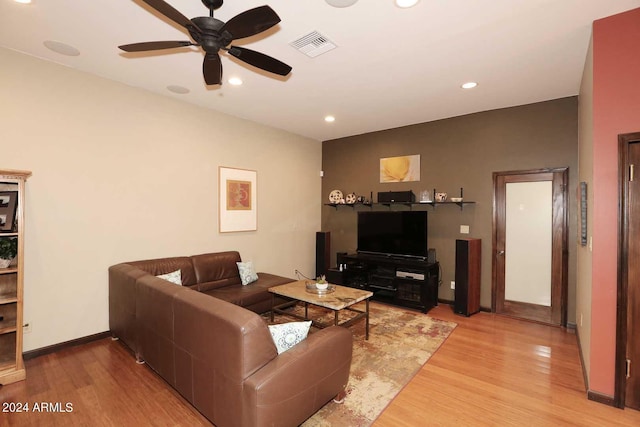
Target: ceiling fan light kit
[[213, 35]]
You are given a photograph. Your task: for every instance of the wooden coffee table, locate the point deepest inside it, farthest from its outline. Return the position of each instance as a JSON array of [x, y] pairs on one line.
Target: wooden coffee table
[[339, 298]]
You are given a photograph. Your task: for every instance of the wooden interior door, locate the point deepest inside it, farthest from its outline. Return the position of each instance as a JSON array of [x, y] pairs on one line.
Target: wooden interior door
[[530, 245], [628, 342]]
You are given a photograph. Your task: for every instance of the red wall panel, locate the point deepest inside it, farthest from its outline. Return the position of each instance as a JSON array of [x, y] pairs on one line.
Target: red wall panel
[[616, 110]]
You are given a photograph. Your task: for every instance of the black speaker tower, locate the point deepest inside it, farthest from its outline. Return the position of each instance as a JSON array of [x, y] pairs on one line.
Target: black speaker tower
[[467, 293]]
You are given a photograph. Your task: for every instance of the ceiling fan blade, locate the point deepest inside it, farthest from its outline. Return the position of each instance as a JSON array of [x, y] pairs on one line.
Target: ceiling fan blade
[[171, 13], [260, 60], [212, 69], [145, 46], [251, 22]]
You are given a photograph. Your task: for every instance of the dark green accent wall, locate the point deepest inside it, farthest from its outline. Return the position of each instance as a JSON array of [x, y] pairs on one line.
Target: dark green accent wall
[[457, 152]]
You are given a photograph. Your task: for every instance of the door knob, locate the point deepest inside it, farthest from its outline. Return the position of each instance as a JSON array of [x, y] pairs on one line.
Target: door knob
[[500, 252]]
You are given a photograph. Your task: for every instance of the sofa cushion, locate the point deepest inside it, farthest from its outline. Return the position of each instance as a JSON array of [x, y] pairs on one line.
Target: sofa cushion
[[254, 294], [174, 277], [216, 270], [268, 280], [241, 295], [286, 335], [247, 272], [160, 266]]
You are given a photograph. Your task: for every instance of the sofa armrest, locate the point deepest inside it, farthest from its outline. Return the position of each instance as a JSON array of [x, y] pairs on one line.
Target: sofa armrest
[[298, 382], [122, 303]]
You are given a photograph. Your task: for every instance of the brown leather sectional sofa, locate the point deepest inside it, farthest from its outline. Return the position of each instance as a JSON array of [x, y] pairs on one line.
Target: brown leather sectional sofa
[[206, 340]]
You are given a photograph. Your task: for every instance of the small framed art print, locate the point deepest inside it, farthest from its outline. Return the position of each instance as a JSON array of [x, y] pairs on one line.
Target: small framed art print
[[237, 200]]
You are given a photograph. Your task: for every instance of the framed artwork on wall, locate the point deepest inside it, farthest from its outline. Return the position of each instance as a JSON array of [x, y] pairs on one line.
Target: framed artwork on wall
[[8, 207], [400, 169], [237, 200]]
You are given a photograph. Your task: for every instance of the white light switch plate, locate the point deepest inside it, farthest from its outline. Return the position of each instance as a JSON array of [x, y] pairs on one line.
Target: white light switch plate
[[464, 229]]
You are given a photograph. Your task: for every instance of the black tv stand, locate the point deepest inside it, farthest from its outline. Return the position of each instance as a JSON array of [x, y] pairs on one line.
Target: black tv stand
[[404, 281], [390, 256]]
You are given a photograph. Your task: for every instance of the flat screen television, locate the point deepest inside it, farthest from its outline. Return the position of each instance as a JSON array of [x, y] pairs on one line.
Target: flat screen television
[[393, 233]]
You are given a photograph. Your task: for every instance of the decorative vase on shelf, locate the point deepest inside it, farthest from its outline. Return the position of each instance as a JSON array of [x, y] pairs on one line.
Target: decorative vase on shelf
[[5, 263], [441, 197]]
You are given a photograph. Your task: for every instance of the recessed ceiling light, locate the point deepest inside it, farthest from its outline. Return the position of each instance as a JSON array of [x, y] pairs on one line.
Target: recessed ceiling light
[[178, 89], [329, 119], [23, 1], [61, 48], [341, 3], [235, 81], [469, 85], [406, 3]]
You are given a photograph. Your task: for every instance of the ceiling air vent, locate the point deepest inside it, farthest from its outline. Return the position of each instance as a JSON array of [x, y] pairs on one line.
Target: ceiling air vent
[[313, 44]]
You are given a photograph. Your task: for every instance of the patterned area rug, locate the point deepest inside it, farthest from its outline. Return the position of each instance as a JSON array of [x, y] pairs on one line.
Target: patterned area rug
[[400, 342]]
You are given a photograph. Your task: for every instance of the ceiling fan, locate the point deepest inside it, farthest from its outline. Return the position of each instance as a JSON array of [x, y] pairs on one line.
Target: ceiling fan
[[212, 35]]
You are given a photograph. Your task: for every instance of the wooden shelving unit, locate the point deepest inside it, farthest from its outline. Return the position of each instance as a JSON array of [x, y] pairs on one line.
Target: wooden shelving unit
[[12, 286]]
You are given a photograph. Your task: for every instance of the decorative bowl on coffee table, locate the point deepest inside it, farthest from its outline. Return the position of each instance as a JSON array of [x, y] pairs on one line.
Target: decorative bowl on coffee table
[[319, 288]]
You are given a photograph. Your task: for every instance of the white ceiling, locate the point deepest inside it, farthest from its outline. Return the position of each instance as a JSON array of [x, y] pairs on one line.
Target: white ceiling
[[393, 67]]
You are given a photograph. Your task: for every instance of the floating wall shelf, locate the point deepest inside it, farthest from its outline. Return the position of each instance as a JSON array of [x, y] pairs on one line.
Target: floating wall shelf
[[410, 205], [433, 204]]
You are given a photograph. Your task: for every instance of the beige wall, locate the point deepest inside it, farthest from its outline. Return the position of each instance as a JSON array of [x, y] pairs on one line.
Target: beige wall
[[122, 174], [457, 152], [585, 168]]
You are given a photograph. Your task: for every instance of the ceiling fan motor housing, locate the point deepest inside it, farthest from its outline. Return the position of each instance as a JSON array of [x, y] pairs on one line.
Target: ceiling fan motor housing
[[210, 38]]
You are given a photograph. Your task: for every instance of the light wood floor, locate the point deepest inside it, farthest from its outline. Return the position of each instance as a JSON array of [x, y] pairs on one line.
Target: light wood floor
[[491, 371], [497, 371]]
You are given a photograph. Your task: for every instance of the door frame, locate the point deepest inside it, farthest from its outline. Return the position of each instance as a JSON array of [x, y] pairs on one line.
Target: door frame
[[623, 258], [560, 264]]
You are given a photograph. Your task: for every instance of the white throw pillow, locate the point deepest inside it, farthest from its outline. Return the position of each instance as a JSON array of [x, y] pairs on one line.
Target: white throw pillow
[[247, 272], [173, 277], [286, 335]]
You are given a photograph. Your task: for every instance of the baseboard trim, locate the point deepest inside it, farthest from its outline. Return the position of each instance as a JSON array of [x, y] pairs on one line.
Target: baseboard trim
[[601, 398], [584, 368], [592, 395], [61, 346]]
